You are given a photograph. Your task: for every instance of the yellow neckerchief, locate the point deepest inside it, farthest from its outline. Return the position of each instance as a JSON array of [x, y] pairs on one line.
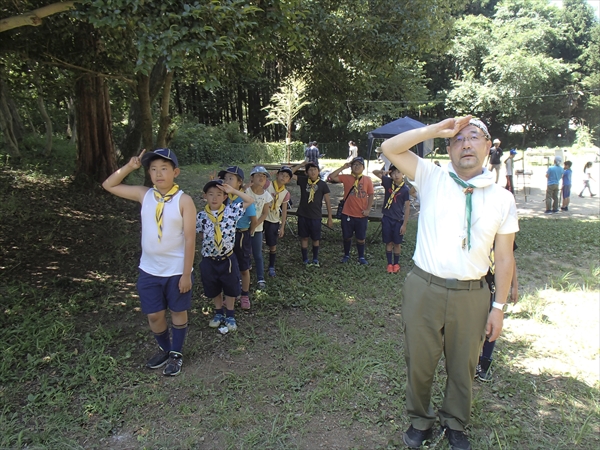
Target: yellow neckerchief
[[160, 206], [355, 185], [231, 197], [312, 187], [216, 220], [393, 191], [278, 190]]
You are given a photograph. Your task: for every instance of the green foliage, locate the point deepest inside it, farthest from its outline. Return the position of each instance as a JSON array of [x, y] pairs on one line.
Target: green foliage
[[583, 137], [197, 143]]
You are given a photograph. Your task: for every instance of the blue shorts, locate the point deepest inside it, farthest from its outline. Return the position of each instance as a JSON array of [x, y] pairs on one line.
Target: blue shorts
[[220, 276], [309, 228], [390, 230], [354, 225], [271, 233], [243, 249], [161, 293], [566, 191]]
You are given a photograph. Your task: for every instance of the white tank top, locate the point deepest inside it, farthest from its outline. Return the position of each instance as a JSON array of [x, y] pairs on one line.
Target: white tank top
[[162, 258]]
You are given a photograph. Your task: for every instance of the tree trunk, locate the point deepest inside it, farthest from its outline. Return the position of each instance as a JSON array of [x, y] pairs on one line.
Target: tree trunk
[[133, 136], [143, 92], [47, 121], [165, 119], [7, 124], [96, 158], [72, 123]]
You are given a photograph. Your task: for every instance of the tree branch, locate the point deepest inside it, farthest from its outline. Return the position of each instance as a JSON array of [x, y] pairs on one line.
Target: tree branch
[[57, 62], [34, 18]]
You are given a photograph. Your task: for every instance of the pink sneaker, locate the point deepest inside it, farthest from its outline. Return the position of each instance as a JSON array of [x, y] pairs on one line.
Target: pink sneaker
[[390, 268], [396, 268], [245, 302]]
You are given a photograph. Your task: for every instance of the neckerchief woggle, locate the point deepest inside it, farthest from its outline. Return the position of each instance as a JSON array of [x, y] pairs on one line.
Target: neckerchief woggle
[[160, 206]]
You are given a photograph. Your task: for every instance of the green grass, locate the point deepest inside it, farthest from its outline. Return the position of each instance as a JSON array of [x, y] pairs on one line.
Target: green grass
[[318, 363]]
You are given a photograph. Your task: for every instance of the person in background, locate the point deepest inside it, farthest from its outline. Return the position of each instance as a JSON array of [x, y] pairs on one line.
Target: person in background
[[587, 177], [352, 151], [554, 175], [566, 186], [495, 157]]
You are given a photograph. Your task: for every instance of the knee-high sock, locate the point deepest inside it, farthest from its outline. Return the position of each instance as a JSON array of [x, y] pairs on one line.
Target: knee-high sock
[[179, 332], [163, 340], [347, 245]]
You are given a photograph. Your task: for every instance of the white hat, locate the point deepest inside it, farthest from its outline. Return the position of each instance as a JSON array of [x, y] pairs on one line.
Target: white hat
[[496, 141], [378, 150]]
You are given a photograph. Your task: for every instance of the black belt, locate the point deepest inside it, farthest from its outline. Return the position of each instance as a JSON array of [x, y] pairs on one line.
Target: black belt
[[450, 283], [222, 258]]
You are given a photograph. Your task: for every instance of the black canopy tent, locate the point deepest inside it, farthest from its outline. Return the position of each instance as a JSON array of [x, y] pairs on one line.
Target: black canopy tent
[[396, 127]]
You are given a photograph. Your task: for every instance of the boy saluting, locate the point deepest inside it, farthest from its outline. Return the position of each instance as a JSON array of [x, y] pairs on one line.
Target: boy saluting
[[168, 247], [219, 267]]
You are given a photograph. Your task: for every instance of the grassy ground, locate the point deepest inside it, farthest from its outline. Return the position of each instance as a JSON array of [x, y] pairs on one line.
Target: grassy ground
[[318, 363]]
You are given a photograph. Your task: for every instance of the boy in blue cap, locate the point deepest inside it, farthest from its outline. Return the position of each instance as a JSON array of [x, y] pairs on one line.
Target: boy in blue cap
[[234, 177], [395, 213], [168, 247], [219, 269]]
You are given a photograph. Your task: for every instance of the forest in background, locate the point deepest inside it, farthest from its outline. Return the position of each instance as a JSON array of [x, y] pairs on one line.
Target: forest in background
[[118, 75]]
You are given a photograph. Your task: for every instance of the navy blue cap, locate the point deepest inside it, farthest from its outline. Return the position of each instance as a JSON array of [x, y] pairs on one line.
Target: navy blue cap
[[211, 183], [164, 153], [234, 170], [359, 159], [287, 170]]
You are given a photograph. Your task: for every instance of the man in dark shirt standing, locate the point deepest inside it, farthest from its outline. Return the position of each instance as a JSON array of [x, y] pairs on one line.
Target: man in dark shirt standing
[[311, 154], [496, 158]]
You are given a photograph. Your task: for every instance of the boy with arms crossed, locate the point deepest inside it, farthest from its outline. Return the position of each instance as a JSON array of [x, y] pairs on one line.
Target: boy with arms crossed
[[313, 191], [168, 247], [395, 213], [219, 269]]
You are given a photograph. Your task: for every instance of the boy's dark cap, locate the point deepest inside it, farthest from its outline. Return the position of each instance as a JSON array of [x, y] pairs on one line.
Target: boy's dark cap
[[234, 170], [311, 164], [164, 153], [287, 170], [212, 183], [359, 159]]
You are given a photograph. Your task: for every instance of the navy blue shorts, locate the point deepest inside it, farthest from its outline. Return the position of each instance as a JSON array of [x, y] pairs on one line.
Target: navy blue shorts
[[566, 191], [390, 230], [309, 228], [243, 249], [220, 276], [354, 225], [161, 293], [271, 233]]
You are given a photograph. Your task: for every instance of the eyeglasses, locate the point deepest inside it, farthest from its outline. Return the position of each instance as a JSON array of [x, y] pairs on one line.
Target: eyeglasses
[[474, 138]]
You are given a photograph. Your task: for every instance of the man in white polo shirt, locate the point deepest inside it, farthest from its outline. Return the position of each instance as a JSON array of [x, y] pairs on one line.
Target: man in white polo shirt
[[445, 306]]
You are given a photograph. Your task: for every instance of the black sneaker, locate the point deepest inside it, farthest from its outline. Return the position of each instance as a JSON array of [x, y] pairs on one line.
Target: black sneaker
[[158, 360], [457, 439], [414, 438], [484, 376], [174, 365]]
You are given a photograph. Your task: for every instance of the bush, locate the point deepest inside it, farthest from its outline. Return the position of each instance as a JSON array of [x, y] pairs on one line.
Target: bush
[[225, 144]]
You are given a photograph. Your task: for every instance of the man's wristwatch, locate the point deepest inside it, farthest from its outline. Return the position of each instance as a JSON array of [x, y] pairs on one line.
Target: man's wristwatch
[[501, 306]]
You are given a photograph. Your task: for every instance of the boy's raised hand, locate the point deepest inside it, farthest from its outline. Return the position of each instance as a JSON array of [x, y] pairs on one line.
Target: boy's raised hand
[[225, 187], [136, 161]]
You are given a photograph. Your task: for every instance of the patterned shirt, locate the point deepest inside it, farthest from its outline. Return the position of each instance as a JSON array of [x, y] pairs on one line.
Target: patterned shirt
[[205, 226], [312, 154]]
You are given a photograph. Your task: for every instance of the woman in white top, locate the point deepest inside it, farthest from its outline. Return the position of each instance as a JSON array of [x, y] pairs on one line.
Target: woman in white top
[[352, 151], [587, 176]]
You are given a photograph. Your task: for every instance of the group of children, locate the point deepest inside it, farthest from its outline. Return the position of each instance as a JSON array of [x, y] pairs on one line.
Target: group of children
[[232, 226]]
